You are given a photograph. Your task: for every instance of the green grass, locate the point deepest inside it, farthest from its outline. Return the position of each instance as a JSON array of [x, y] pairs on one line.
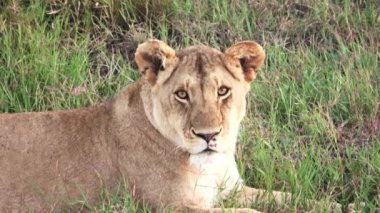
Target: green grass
[[313, 122]]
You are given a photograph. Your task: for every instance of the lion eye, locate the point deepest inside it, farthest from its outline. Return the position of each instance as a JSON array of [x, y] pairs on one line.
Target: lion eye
[[223, 91], [182, 94]]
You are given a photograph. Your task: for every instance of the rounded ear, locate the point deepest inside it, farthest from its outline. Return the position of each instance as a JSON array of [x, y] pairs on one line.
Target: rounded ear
[[249, 54], [152, 57]]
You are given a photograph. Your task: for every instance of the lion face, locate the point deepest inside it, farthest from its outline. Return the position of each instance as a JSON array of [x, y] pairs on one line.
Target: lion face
[[198, 94]]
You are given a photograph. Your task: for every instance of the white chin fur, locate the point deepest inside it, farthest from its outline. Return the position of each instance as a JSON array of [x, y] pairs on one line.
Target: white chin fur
[[217, 173]]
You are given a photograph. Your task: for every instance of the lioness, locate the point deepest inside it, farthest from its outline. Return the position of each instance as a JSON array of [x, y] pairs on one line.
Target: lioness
[[171, 135]]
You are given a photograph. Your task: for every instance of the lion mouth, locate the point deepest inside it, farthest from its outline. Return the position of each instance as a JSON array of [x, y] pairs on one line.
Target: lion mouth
[[208, 150]]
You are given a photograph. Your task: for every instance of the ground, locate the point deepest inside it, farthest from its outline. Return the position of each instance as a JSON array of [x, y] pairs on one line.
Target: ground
[[313, 122]]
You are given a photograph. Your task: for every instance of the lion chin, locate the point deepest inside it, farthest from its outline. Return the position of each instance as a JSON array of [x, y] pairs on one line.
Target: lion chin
[[170, 136]]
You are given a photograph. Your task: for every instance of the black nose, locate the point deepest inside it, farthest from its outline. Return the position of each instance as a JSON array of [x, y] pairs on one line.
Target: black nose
[[207, 137]]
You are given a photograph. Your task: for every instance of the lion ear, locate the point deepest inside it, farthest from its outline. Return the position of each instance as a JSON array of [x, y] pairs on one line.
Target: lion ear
[[249, 55], [152, 57]]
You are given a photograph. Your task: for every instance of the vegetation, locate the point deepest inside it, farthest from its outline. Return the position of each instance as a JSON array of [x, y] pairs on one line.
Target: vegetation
[[313, 123]]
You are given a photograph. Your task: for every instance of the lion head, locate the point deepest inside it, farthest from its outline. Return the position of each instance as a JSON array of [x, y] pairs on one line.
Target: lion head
[[198, 94]]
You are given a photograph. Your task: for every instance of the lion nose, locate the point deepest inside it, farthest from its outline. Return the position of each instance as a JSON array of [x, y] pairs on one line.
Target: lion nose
[[206, 136]]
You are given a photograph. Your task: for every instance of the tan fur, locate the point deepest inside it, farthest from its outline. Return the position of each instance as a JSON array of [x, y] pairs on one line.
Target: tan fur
[[145, 136]]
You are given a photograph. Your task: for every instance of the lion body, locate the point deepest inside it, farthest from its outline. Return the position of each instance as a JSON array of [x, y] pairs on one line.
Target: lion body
[[49, 159], [45, 159]]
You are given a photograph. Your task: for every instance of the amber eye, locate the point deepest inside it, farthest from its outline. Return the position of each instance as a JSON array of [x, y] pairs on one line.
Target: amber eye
[[223, 91], [182, 94]]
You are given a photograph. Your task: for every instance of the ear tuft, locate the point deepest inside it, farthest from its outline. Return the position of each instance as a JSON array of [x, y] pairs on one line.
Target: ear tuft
[[152, 57], [249, 54]]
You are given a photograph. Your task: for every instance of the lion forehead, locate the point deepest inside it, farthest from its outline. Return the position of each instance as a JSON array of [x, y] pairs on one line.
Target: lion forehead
[[200, 59], [203, 64]]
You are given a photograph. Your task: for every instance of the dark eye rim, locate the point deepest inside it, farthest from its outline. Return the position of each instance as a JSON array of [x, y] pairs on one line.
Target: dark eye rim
[[225, 93], [186, 97]]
